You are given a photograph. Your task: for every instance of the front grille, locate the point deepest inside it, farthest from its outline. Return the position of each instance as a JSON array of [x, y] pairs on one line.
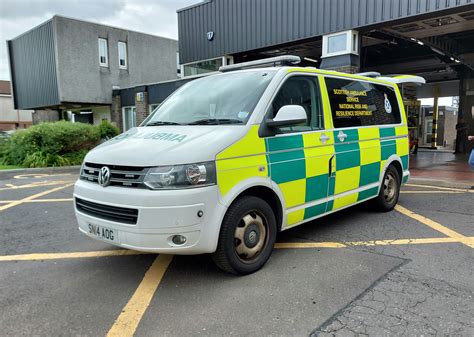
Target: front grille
[[106, 212], [124, 176]]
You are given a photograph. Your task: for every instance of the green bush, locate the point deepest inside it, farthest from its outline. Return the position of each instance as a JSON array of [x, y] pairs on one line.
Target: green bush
[[53, 144], [107, 130]]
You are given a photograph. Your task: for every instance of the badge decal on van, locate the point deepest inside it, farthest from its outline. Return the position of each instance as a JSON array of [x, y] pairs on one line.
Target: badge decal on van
[[388, 106], [167, 136]]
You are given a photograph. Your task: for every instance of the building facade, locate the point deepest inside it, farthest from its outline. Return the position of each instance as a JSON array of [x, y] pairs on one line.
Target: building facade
[[11, 118], [430, 38], [67, 68]]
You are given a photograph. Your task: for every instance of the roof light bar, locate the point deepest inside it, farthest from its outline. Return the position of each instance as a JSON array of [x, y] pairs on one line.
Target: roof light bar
[[369, 74], [272, 61]]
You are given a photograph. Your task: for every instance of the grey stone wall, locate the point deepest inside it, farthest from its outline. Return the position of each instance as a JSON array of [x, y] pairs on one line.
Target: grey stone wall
[[81, 78]]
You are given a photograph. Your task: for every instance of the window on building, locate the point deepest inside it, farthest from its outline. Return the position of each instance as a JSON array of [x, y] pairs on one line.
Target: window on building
[[153, 107], [103, 53], [341, 43], [202, 67], [357, 103], [337, 43], [122, 54], [303, 91], [129, 117]]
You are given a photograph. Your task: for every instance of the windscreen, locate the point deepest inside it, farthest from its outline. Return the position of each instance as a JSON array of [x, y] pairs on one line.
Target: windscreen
[[221, 99]]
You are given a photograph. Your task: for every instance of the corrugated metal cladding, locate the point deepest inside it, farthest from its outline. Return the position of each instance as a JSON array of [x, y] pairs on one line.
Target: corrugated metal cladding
[[241, 25], [33, 67]]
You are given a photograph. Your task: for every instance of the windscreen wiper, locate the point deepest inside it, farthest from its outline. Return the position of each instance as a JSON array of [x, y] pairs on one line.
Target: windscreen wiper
[[216, 121], [157, 123]]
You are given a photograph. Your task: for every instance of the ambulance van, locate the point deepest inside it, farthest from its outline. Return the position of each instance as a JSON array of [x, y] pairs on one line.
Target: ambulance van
[[231, 159]]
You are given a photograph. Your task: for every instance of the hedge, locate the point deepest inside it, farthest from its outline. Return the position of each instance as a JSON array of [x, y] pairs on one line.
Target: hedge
[[54, 144]]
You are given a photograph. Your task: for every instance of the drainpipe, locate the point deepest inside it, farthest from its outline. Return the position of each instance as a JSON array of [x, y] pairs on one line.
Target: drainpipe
[[434, 131]]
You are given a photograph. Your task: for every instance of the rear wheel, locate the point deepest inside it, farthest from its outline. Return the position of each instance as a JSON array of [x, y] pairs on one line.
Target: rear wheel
[[247, 235], [389, 191]]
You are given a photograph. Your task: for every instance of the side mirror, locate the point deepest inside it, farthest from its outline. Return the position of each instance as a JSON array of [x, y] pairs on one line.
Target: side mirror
[[288, 115]]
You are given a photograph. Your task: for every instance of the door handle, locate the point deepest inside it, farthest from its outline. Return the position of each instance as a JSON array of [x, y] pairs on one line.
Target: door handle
[[324, 138], [331, 169], [341, 136]]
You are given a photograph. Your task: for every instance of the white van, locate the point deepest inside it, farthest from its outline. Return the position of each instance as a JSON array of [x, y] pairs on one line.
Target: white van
[[229, 160]]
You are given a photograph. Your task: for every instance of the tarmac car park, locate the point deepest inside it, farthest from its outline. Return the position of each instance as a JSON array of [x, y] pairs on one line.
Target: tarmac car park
[[358, 271], [406, 272]]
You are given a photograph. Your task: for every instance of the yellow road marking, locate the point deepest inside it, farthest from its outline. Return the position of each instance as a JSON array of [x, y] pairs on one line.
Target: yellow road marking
[[468, 241], [38, 200], [34, 196], [35, 184], [39, 175], [286, 245], [72, 255], [440, 188], [432, 192], [402, 242], [296, 245], [278, 245], [127, 322]]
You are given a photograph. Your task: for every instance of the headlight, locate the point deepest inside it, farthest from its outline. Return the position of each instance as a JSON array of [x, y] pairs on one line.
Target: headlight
[[181, 176]]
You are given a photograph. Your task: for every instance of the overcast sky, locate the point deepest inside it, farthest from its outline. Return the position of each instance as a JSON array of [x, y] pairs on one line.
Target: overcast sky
[[149, 16]]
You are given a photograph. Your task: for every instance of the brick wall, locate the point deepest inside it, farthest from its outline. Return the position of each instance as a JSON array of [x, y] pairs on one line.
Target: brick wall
[[350, 69], [142, 107], [116, 112], [450, 121]]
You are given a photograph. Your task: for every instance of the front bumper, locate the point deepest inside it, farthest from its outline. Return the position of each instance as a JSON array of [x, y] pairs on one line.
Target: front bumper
[[161, 215]]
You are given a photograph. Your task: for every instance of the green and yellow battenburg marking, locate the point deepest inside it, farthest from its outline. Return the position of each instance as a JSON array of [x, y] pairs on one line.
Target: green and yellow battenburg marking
[[242, 160], [299, 163]]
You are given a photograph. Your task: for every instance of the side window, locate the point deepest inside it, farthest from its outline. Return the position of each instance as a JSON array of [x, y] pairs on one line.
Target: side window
[[357, 103], [304, 91]]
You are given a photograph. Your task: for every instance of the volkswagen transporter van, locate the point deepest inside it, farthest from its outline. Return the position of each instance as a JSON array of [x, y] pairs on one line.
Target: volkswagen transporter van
[[229, 160]]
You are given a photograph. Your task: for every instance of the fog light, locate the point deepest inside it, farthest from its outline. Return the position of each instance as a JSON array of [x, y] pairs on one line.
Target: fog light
[[178, 239]]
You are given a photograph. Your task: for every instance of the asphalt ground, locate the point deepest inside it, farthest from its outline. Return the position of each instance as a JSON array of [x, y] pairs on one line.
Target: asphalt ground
[[408, 272]]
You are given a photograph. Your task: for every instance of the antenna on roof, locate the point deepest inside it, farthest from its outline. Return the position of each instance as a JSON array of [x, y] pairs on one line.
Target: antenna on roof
[[285, 60]]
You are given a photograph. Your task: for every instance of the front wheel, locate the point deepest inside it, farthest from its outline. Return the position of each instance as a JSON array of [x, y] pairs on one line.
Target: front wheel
[[389, 190], [247, 235]]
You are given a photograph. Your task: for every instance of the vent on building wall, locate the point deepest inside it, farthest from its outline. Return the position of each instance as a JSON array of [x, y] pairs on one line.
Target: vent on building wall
[[410, 27], [467, 16], [447, 20]]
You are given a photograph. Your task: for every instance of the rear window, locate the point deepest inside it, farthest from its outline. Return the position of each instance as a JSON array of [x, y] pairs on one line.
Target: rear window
[[356, 103]]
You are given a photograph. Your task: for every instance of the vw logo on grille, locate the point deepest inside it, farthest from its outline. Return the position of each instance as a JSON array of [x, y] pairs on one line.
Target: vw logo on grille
[[104, 176]]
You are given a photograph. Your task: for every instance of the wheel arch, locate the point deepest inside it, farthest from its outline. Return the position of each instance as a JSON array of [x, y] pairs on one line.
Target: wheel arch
[[397, 163], [264, 189]]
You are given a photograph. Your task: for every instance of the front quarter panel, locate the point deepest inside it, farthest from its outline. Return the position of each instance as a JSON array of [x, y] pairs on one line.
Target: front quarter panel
[[242, 160]]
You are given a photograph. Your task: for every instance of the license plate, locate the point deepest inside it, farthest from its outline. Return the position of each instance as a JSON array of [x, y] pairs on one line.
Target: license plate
[[103, 233]]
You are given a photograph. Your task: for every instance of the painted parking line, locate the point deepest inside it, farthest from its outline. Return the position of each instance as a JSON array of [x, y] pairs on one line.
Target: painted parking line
[[34, 196], [127, 322], [468, 241], [440, 188], [432, 192], [297, 245], [72, 255], [38, 200], [39, 175], [35, 184], [278, 245]]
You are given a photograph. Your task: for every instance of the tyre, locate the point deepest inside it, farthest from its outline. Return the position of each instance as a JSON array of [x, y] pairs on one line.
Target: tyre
[[389, 190], [247, 235]]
